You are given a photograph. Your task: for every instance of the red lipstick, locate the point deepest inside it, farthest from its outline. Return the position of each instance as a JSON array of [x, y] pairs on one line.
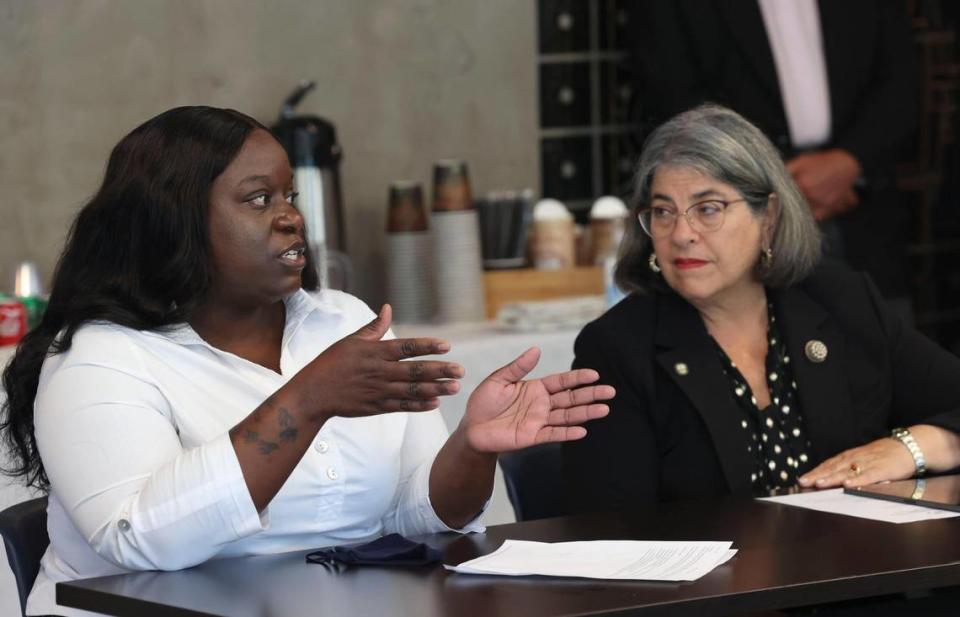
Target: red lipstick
[[688, 264]]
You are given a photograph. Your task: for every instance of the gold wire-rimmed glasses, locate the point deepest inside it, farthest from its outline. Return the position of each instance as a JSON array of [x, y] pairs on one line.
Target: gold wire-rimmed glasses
[[703, 217]]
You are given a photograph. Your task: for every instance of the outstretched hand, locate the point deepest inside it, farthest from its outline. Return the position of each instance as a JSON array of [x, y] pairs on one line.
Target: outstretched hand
[[507, 413], [362, 375]]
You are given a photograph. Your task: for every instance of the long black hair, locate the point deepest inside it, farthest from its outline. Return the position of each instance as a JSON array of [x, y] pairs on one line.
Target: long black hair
[[137, 254]]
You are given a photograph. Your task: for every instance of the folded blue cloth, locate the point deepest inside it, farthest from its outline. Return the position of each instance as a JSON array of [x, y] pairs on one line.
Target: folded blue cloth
[[390, 550]]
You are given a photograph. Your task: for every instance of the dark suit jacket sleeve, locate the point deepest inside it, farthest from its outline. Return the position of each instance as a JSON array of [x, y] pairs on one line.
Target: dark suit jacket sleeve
[[668, 72], [926, 377], [886, 111], [616, 464]]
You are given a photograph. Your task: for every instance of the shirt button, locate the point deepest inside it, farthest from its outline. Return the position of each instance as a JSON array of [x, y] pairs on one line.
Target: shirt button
[[332, 473], [123, 524], [321, 446]]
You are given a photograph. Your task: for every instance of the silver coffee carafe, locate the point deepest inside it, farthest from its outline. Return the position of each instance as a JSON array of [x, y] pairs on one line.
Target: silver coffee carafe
[[311, 144]]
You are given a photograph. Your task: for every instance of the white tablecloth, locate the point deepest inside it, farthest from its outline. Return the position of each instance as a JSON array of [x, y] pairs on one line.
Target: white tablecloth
[[6, 353]]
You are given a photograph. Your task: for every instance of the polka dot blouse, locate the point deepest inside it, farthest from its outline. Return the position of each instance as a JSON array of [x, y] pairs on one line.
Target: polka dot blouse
[[776, 435]]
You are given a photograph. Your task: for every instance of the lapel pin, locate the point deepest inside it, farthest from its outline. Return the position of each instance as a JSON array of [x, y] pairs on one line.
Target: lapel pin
[[816, 351], [681, 368]]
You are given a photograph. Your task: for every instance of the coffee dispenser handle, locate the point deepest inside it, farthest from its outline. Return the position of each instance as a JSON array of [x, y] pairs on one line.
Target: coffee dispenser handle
[[303, 88]]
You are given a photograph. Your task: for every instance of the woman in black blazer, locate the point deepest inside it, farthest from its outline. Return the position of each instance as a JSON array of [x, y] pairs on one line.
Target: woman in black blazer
[[741, 364]]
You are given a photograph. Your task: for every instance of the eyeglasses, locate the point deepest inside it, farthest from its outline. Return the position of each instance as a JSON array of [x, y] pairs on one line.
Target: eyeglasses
[[703, 217]]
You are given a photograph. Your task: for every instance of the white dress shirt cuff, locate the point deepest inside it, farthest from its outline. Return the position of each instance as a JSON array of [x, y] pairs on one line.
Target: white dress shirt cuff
[[239, 511], [425, 513]]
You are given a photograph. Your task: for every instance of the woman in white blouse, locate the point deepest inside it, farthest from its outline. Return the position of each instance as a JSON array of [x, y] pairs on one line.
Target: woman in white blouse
[[190, 395]]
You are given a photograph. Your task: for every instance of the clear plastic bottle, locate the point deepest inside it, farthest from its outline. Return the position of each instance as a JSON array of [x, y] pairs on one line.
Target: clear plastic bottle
[[612, 292]]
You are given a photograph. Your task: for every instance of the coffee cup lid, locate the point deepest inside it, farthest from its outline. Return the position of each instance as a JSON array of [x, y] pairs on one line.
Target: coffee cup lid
[[608, 207], [551, 210]]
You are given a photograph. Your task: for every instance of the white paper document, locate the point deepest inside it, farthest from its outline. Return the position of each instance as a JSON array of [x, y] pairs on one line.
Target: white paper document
[[836, 501], [610, 559]]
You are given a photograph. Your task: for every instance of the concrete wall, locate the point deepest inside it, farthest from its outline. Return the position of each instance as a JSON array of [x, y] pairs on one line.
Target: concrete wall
[[405, 81]]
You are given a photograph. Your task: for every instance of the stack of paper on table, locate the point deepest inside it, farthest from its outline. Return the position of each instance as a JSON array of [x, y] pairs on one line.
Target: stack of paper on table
[[610, 559]]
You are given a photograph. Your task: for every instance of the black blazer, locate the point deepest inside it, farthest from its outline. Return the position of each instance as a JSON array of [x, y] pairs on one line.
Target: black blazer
[[688, 52], [692, 51], [670, 436]]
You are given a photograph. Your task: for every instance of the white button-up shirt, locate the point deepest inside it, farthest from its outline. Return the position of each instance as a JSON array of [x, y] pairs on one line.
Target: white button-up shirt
[[132, 427], [796, 42]]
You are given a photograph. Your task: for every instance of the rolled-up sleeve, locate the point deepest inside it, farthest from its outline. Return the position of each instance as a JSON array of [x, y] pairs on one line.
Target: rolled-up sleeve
[[139, 498], [424, 435]]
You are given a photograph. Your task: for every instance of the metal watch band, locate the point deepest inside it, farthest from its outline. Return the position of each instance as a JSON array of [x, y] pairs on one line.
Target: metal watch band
[[907, 440]]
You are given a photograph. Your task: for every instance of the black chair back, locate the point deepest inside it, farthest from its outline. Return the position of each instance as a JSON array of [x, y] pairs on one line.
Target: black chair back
[[24, 530], [534, 482]]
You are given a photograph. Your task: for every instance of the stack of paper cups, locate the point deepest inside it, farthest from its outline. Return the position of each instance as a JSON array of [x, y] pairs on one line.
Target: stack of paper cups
[[458, 268], [409, 263], [455, 231]]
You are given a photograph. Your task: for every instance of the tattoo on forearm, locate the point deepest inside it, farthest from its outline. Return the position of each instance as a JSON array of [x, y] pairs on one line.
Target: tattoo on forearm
[[266, 447], [253, 438], [288, 432]]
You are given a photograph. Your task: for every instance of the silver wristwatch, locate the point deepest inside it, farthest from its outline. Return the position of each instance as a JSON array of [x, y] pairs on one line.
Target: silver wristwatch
[[907, 439]]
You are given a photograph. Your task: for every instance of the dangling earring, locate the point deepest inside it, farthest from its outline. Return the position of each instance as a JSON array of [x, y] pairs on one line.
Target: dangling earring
[[653, 262], [766, 258]]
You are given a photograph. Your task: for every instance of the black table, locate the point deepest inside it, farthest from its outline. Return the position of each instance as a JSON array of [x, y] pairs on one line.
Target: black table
[[787, 557]]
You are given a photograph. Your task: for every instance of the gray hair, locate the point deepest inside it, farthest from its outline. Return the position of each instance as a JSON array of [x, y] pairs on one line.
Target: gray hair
[[722, 144]]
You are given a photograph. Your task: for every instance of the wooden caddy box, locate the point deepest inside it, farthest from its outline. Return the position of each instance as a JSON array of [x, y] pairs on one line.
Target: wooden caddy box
[[503, 286]]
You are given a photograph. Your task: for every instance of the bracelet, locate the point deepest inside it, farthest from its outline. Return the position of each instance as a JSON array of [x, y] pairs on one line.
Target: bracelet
[[919, 488], [907, 440]]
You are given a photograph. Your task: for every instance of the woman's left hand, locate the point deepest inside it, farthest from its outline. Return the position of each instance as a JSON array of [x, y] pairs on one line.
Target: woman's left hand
[[507, 413], [877, 461]]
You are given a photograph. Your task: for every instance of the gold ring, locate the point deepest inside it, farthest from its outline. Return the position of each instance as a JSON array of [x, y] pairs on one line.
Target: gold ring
[[855, 469]]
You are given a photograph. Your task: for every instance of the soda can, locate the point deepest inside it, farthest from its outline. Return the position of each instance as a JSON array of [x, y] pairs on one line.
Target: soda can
[[35, 305], [13, 321]]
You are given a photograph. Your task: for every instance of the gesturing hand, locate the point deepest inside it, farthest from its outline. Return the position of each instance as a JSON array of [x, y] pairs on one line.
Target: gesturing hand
[[362, 375], [505, 413]]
